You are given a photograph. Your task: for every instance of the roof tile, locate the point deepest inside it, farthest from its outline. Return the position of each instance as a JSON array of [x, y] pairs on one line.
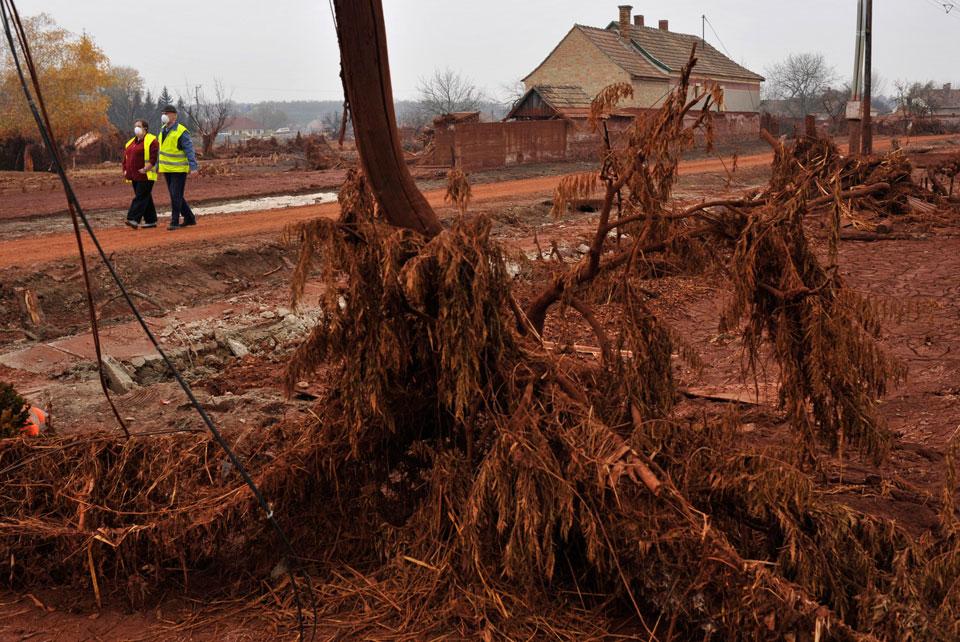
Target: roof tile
[[657, 52]]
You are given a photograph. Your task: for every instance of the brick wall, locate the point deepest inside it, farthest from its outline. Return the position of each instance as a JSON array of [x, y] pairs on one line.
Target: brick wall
[[732, 128], [475, 146], [650, 93]]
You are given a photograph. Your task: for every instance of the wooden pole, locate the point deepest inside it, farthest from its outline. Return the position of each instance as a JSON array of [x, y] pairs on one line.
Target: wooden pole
[[342, 134], [866, 119], [365, 69], [853, 119]]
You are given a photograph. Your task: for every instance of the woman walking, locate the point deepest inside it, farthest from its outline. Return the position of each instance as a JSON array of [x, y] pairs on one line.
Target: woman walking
[[139, 160]]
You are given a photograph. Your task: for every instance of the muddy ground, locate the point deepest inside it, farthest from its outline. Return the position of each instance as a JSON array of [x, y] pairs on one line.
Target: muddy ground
[[101, 189], [220, 306]]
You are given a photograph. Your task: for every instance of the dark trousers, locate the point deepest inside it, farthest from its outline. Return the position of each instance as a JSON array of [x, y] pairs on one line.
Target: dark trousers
[[142, 207], [176, 183]]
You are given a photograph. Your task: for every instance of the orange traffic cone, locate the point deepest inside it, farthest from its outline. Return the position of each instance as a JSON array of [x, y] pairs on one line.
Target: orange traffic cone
[[35, 423]]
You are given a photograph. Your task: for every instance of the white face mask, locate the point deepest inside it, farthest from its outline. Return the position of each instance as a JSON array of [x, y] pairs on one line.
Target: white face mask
[[138, 131], [164, 119]]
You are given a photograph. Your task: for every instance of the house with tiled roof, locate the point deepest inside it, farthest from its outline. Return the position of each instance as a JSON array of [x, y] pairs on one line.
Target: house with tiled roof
[[947, 101], [589, 59], [242, 127]]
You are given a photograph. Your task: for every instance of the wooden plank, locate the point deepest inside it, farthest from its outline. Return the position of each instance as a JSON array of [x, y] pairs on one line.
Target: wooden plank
[[29, 306]]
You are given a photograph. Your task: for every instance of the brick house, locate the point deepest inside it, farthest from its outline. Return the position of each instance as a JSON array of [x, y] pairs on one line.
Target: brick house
[[242, 128], [588, 59], [549, 122], [947, 102]]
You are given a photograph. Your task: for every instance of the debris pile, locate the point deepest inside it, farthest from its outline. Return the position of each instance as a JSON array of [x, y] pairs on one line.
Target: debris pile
[[527, 496]]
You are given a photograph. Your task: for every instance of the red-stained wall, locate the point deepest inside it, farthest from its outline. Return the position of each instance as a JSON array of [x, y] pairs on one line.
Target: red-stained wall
[[474, 146]]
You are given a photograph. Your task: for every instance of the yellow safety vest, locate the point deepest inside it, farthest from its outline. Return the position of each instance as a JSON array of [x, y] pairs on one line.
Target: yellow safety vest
[[173, 160], [147, 142]]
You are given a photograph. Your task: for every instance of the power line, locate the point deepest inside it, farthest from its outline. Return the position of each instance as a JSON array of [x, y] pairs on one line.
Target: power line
[[948, 7], [12, 23], [713, 29]]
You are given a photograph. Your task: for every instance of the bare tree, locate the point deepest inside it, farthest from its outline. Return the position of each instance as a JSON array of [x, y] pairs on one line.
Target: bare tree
[[331, 122], [208, 116], [801, 80], [511, 92], [446, 92], [918, 99], [412, 114], [833, 102], [270, 116], [125, 91]]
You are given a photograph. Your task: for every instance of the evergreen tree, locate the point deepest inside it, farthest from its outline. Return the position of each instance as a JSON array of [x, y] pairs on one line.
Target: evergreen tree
[[164, 99]]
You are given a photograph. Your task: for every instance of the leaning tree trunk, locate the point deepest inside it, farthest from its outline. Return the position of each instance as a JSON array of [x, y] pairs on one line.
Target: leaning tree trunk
[[365, 69], [28, 157], [208, 140]]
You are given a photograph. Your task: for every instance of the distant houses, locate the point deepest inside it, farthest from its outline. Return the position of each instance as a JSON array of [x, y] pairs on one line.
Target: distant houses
[[946, 102], [243, 128]]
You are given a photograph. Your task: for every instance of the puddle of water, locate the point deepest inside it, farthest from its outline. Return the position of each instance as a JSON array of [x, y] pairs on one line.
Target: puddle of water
[[266, 203]]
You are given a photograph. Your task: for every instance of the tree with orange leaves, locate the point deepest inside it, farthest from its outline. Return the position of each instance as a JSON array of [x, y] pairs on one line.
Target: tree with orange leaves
[[73, 72]]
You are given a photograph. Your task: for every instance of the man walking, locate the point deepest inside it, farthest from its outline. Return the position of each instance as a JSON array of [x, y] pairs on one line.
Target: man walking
[[177, 160]]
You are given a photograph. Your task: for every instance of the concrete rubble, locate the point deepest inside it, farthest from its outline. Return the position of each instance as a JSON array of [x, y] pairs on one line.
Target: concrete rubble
[[118, 379]]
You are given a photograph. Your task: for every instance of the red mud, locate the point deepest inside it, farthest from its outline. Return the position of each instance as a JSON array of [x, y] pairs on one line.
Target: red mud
[[40, 194]]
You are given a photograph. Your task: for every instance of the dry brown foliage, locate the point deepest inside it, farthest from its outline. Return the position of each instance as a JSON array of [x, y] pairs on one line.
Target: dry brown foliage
[[574, 187], [458, 190], [13, 411], [131, 512], [823, 335], [606, 101], [524, 499]]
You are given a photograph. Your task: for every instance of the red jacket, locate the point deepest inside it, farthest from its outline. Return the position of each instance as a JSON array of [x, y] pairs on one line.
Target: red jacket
[[133, 160]]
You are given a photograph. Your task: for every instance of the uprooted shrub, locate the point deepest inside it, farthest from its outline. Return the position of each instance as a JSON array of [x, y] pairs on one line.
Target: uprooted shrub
[[528, 497], [13, 411]]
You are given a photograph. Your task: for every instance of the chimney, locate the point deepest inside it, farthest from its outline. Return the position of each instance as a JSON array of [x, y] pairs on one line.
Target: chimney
[[948, 87], [625, 10], [638, 21], [664, 25]]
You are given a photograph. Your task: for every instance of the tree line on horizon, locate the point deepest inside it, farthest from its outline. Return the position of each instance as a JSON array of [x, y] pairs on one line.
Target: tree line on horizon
[[90, 99], [804, 83]]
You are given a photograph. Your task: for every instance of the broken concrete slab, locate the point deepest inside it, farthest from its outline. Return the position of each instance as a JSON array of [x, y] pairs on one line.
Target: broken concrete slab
[[118, 379], [40, 359], [238, 349]]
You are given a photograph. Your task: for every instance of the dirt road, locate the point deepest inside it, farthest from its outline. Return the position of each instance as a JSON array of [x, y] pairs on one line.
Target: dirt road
[[52, 247]]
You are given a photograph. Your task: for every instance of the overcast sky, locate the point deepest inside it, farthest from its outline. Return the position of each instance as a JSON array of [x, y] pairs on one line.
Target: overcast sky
[[286, 49]]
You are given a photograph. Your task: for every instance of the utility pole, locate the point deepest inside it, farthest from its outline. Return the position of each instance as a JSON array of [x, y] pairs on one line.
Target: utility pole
[[703, 29], [854, 109], [867, 118]]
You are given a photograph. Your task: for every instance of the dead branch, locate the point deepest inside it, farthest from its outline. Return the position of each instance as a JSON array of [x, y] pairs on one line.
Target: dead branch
[[606, 347]]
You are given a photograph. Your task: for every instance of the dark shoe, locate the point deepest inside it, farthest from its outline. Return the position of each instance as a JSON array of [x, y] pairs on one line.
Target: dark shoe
[[189, 223], [173, 227], [132, 224], [146, 225]]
